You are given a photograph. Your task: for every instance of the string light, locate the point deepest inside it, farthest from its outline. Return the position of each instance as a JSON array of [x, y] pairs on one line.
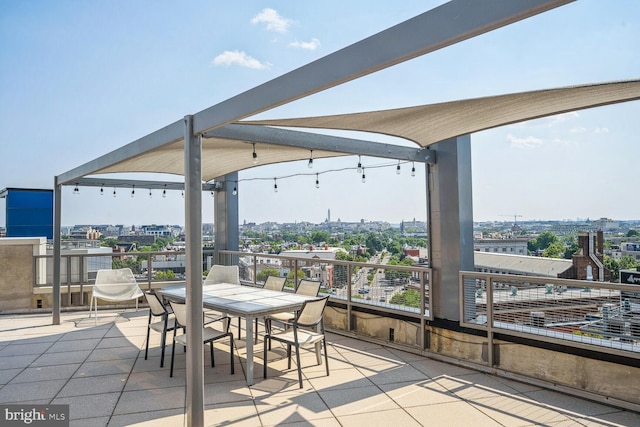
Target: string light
[[133, 191], [164, 192], [255, 155], [150, 195], [317, 182], [413, 169], [359, 165], [363, 177], [182, 193], [398, 168], [114, 191], [275, 186], [102, 190], [310, 164], [76, 190], [235, 190]]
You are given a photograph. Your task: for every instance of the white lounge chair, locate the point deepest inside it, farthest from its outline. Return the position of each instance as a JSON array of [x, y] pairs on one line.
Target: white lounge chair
[[114, 285]]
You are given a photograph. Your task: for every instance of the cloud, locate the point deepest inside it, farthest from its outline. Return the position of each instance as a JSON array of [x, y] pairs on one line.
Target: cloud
[[239, 58], [561, 118], [602, 130], [274, 21], [528, 143], [578, 130], [312, 45]]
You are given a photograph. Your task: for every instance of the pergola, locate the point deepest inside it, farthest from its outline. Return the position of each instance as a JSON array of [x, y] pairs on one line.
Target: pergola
[[209, 148]]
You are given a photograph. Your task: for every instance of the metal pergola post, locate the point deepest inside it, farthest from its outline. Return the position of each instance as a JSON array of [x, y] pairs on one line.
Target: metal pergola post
[[193, 262]]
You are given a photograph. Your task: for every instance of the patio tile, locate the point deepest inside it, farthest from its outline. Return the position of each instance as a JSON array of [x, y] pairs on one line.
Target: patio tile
[[451, 414], [394, 374], [475, 386], [616, 418], [93, 385], [115, 342], [237, 414], [84, 334], [7, 375], [89, 406], [509, 411], [157, 399], [397, 417], [116, 353], [343, 379], [13, 362], [104, 367], [356, 400], [568, 404], [167, 418], [90, 422], [20, 349], [73, 345], [20, 392], [434, 368], [63, 358], [412, 393], [281, 408], [44, 373]]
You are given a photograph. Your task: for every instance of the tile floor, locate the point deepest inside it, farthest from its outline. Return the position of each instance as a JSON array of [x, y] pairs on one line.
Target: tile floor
[[100, 371]]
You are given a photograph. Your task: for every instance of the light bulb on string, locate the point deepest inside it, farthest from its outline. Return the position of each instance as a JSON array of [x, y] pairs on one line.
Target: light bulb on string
[[235, 190], [255, 155], [114, 191], [102, 190], [76, 190], [310, 164], [413, 169], [359, 165], [398, 168], [363, 177], [133, 191], [317, 182], [164, 192], [275, 186], [150, 195]]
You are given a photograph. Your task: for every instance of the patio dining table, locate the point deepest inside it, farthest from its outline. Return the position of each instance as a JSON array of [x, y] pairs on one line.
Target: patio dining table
[[243, 301]]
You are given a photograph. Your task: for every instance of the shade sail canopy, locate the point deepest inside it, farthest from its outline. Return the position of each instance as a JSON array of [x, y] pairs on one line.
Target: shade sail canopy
[[428, 124], [424, 125]]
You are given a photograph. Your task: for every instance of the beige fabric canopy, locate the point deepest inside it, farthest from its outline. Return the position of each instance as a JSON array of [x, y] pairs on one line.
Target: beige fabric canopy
[[423, 124]]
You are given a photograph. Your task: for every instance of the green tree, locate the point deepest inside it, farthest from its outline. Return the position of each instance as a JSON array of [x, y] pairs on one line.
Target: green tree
[[263, 274], [409, 298], [633, 233], [554, 250], [291, 276], [318, 237], [542, 242], [165, 275]]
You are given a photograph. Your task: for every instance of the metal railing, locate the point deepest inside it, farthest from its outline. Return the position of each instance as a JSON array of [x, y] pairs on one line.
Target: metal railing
[[590, 315], [398, 289]]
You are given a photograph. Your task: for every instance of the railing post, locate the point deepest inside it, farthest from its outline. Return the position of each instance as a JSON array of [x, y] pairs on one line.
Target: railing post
[[490, 355]]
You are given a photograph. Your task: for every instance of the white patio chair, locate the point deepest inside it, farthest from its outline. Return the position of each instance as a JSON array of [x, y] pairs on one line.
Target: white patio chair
[[307, 329], [158, 309], [305, 287], [209, 335], [273, 283], [223, 274], [114, 285]]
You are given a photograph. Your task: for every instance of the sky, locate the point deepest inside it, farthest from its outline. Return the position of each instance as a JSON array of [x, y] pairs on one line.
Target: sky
[[79, 79]]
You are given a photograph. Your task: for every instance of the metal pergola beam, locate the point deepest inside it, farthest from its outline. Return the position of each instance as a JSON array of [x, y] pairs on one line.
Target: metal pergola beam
[[142, 184], [315, 141]]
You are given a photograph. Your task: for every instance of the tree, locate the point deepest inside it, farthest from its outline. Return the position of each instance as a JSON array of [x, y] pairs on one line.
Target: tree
[[263, 274], [409, 298], [542, 242], [165, 275], [633, 233], [554, 250], [318, 237]]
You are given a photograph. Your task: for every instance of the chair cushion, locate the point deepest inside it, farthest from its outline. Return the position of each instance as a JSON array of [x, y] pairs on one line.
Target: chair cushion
[[282, 317], [208, 334]]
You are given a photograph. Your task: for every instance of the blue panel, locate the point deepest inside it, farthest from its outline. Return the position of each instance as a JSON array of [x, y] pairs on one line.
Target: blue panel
[[29, 213]]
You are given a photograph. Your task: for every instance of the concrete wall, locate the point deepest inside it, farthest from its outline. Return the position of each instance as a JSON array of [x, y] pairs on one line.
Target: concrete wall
[[600, 380], [17, 270]]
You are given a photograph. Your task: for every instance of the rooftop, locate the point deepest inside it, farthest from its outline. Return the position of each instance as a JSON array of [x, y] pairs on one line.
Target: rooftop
[[100, 371]]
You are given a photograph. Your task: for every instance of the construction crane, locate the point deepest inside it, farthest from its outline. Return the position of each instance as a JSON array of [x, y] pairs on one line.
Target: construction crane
[[515, 216]]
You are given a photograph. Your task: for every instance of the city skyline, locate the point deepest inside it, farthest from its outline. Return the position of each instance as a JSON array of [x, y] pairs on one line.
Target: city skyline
[[99, 84]]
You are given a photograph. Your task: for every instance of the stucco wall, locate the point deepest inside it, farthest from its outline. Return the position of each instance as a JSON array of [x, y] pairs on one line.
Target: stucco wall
[[17, 269]]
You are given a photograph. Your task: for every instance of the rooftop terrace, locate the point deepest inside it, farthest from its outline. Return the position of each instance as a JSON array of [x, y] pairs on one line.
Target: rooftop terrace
[[100, 371]]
